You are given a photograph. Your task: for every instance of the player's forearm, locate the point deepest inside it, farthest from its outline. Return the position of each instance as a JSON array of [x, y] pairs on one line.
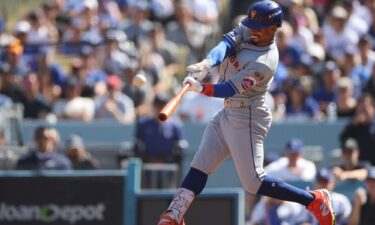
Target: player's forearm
[[220, 52], [224, 90]]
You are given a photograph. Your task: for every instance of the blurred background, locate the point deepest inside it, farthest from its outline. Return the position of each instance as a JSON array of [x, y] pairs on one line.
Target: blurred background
[[68, 99]]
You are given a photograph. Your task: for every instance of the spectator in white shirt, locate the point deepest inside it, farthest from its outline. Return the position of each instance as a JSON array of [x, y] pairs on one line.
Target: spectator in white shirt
[[115, 104], [337, 34], [292, 167]]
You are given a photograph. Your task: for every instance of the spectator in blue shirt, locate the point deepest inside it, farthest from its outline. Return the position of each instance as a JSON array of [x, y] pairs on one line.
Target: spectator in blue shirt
[[160, 142], [45, 155], [325, 93], [157, 141], [299, 105]]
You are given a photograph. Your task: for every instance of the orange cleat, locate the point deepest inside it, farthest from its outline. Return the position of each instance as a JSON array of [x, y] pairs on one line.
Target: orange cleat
[[166, 219], [321, 207]]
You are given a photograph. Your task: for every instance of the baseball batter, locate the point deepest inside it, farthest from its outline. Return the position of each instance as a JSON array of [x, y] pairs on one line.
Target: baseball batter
[[248, 59]]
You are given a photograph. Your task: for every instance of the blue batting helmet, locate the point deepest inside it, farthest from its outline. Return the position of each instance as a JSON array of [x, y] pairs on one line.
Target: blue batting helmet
[[263, 14]]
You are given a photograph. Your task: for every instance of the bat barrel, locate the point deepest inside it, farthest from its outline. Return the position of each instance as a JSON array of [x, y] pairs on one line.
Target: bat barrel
[[172, 105]]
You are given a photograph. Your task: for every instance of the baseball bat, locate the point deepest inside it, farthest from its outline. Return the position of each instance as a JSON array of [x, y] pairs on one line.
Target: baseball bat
[[172, 105]]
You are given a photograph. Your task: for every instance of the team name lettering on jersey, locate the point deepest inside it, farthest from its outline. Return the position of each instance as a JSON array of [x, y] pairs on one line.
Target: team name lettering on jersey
[[233, 60]]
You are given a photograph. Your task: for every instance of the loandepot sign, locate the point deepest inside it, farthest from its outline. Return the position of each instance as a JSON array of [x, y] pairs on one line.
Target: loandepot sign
[[51, 212]]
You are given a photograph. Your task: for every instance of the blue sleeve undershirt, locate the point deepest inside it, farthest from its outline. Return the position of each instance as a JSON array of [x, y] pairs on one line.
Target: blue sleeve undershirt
[[224, 90], [221, 51]]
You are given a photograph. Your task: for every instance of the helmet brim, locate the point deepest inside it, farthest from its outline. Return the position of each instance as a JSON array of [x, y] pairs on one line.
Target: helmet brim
[[253, 24]]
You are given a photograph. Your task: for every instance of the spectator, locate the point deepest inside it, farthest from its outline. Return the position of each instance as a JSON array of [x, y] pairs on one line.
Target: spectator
[[300, 106], [8, 159], [39, 33], [93, 74], [187, 32], [157, 141], [51, 74], [290, 55], [73, 106], [151, 62], [366, 53], [340, 203], [350, 168], [337, 34], [36, 105], [273, 211], [5, 100], [353, 68], [45, 156], [168, 51], [114, 104], [10, 85], [160, 142], [76, 152], [13, 57], [345, 102], [370, 86], [371, 9], [361, 128], [302, 37], [355, 22], [364, 202], [325, 93], [141, 96], [138, 24], [292, 167], [115, 57]]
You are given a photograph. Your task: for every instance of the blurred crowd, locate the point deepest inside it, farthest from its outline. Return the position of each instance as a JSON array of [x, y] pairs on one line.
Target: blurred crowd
[[70, 59], [102, 45], [77, 59]]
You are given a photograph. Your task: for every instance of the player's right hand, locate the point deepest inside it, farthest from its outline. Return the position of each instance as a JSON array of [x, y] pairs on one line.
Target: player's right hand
[[199, 70], [194, 84]]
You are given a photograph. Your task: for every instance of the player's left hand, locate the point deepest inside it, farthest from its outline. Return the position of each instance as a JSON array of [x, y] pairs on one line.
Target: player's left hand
[[199, 70], [194, 84]]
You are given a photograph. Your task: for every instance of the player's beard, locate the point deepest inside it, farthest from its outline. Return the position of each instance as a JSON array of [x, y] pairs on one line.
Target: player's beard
[[255, 39]]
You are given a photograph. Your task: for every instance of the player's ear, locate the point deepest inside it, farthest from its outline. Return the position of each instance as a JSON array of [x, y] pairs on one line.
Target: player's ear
[[273, 28]]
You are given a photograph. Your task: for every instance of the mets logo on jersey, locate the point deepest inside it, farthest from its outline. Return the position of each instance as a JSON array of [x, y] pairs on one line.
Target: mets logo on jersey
[[247, 82]]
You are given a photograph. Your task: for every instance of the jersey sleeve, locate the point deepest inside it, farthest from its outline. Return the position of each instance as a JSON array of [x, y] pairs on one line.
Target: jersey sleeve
[[237, 35], [230, 41], [253, 78]]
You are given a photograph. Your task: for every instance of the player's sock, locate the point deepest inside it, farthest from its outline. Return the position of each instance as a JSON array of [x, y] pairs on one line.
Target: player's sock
[[193, 185], [180, 203], [276, 188]]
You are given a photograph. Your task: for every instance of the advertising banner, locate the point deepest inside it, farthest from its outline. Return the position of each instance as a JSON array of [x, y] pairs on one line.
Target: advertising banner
[[61, 200]]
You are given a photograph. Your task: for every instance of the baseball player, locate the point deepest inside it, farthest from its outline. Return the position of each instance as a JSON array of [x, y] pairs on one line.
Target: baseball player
[[248, 57]]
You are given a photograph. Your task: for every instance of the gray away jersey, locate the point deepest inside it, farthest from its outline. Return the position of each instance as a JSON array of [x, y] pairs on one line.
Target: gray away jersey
[[250, 70]]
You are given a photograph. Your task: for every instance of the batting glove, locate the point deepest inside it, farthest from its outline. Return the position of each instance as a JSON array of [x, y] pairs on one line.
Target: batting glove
[[194, 84], [199, 70]]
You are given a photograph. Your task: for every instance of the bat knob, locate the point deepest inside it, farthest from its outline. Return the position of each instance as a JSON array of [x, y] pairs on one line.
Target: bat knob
[[162, 117]]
